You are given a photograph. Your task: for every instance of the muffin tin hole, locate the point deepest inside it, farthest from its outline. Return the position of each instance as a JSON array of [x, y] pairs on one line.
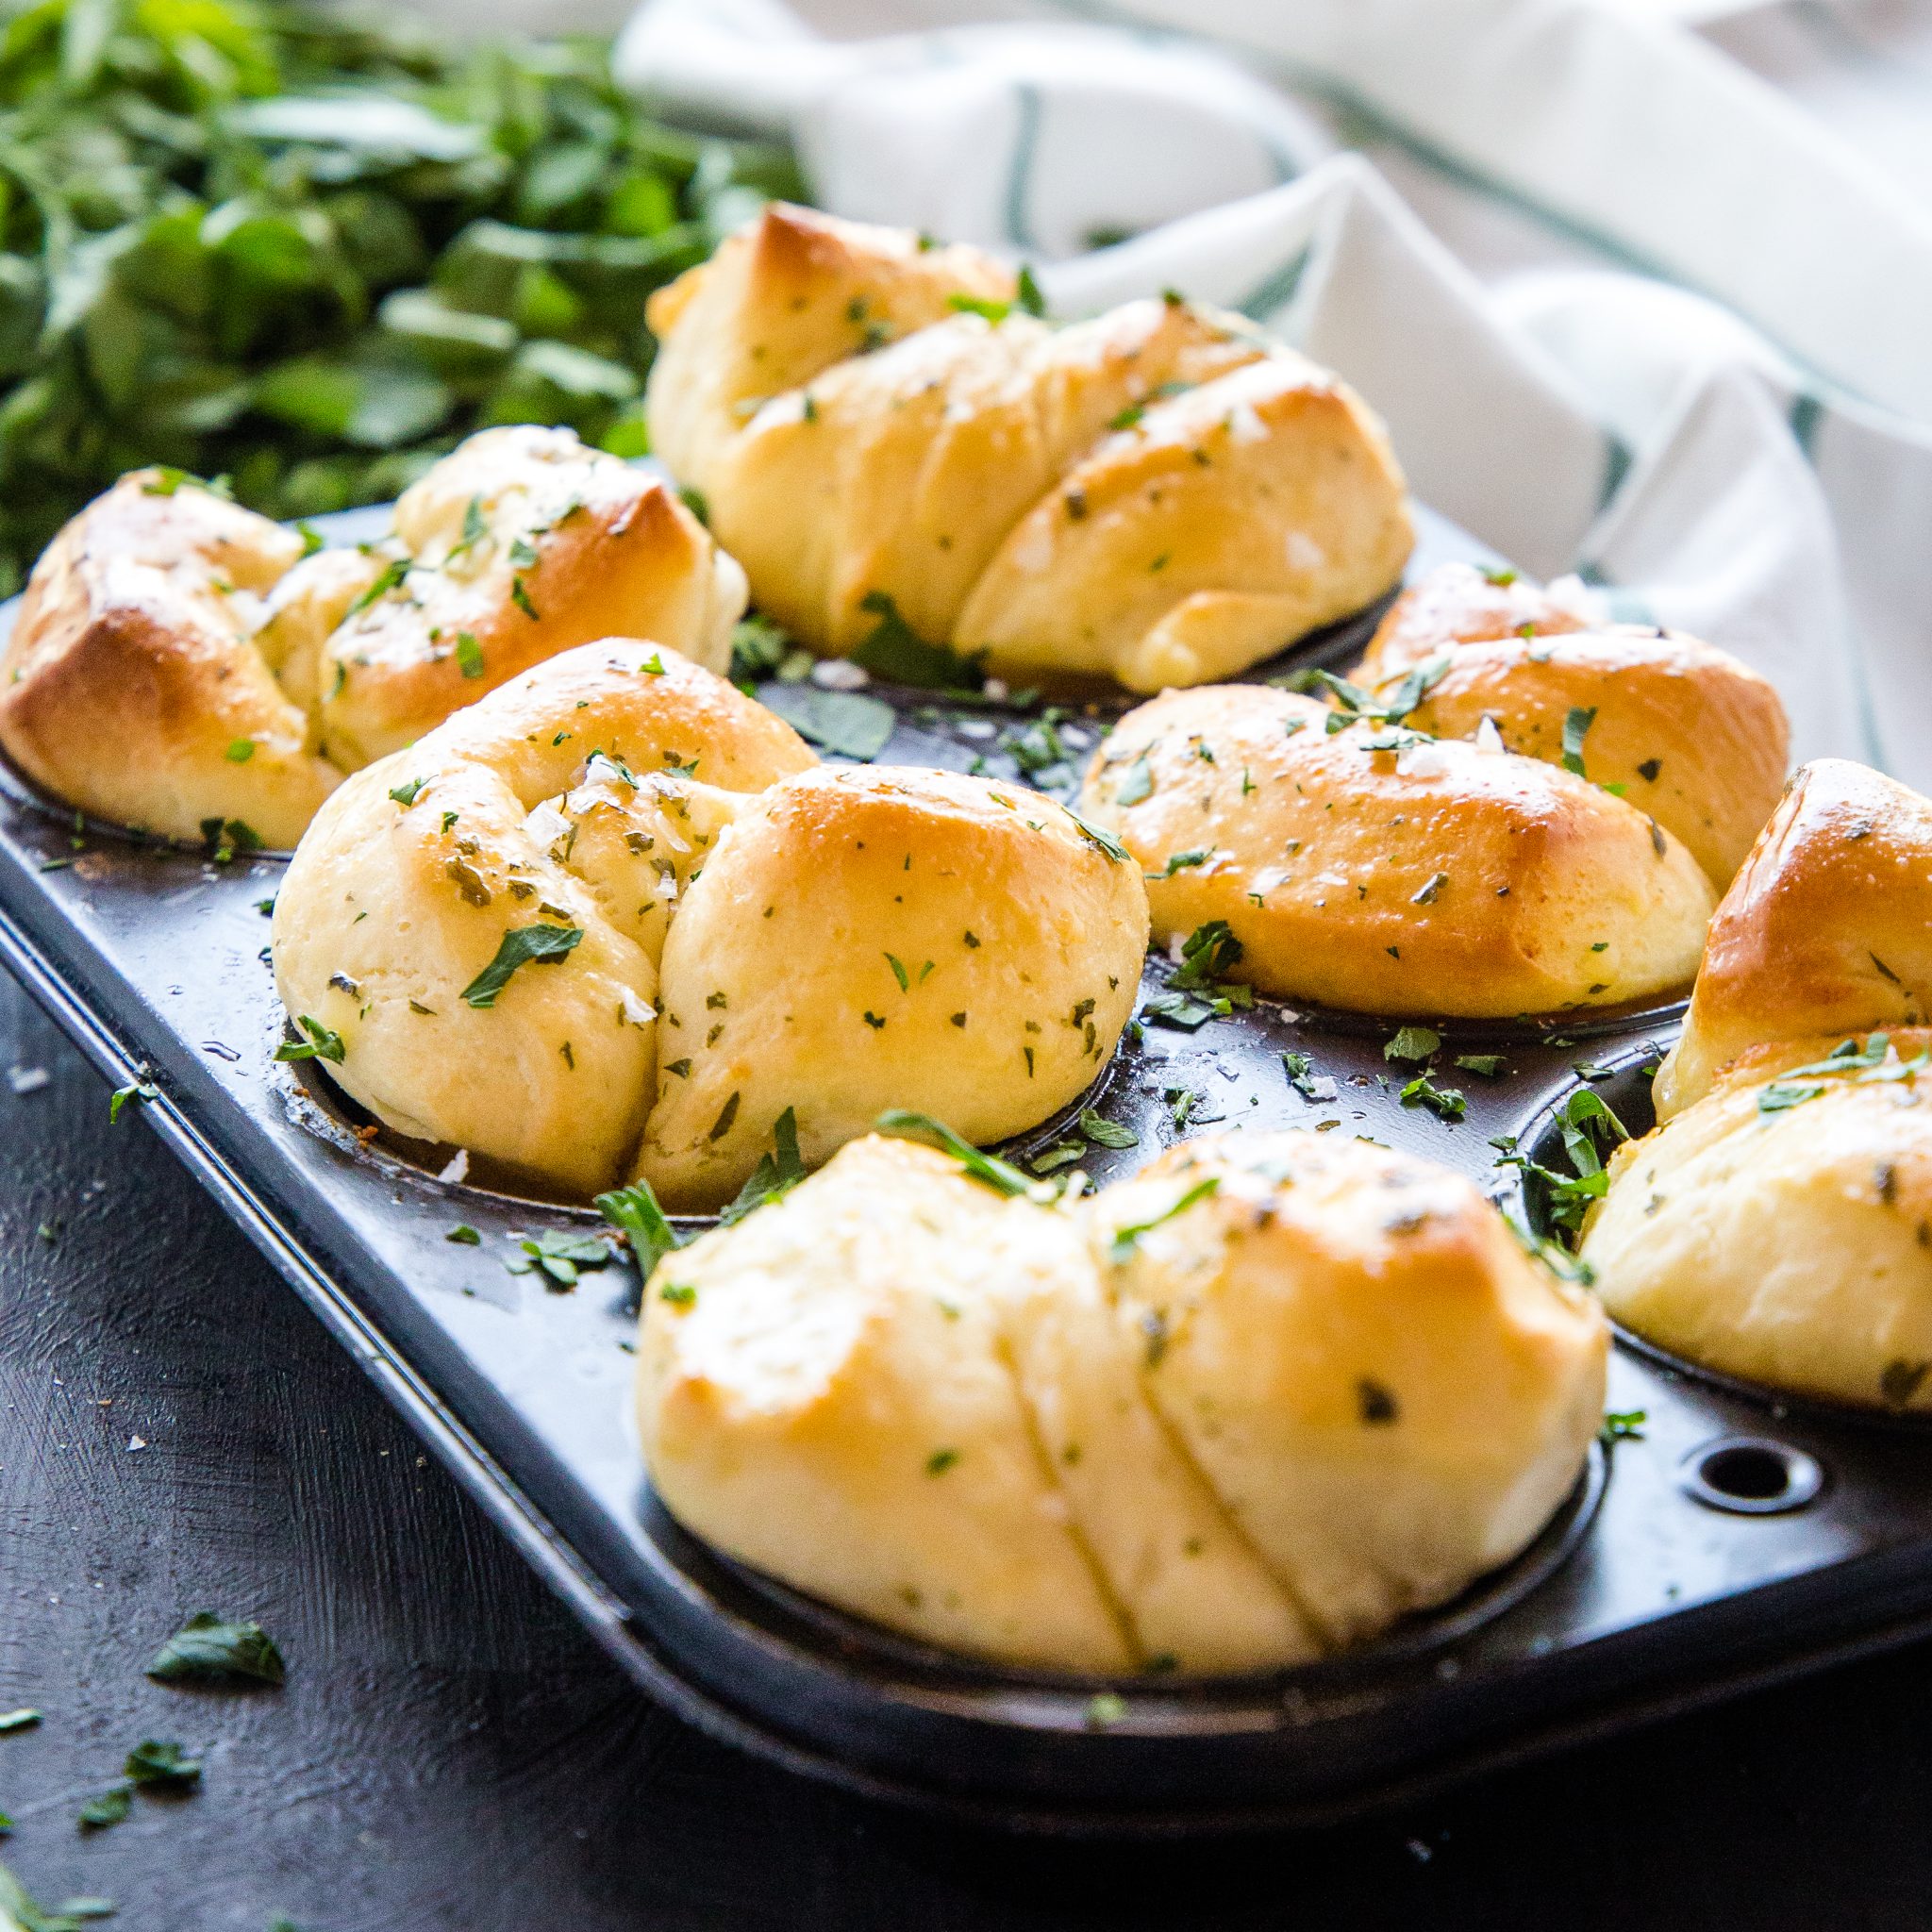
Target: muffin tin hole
[[1751, 1475]]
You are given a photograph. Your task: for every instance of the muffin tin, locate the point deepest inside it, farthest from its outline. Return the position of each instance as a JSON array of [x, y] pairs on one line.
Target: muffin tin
[[1734, 1539]]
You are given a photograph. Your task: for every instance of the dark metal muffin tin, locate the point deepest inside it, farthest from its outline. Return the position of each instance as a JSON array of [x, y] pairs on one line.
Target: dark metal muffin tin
[[1737, 1539]]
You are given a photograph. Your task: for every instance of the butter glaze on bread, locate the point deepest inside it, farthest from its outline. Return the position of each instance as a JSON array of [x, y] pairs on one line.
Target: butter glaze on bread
[[1327, 1387], [1691, 734], [1440, 879], [877, 937], [1828, 928], [393, 907], [1158, 495], [176, 660], [132, 671], [1793, 1247], [759, 935]]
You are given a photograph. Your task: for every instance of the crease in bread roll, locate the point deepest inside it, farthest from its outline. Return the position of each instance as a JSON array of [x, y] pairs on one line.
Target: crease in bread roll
[[1686, 732], [1778, 1226], [1241, 1411], [178, 659], [755, 936], [1374, 868], [1158, 495], [1828, 928]]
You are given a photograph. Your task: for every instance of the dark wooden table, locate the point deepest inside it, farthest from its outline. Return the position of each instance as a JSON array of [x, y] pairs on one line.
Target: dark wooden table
[[451, 1754]]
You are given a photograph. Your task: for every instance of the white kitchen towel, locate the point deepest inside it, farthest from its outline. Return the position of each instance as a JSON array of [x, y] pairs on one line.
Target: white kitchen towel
[[1641, 307]]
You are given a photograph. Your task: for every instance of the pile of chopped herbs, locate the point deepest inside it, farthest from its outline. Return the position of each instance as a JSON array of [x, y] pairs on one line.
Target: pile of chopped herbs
[[309, 253]]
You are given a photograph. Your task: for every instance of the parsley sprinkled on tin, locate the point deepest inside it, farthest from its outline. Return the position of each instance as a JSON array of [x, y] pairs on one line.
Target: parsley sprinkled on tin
[[1412, 1044], [1446, 1103], [123, 1096], [210, 1649]]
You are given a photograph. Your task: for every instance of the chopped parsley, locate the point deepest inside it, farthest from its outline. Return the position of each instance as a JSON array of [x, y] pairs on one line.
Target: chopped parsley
[[1106, 1133], [558, 1256], [469, 655], [1446, 1103], [1412, 1044], [895, 651], [1127, 1240], [983, 1167], [522, 945], [634, 1211], [778, 1171], [210, 1649], [1575, 730], [319, 1044]]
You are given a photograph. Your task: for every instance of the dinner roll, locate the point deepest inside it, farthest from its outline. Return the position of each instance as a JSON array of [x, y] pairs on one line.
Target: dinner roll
[[1428, 877], [521, 543], [1387, 1395], [132, 685], [437, 863], [1779, 1226], [1241, 1411], [179, 665], [1827, 928], [1158, 495], [870, 938], [1464, 604]]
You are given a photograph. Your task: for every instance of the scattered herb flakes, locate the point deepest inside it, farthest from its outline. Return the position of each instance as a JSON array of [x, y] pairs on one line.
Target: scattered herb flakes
[[680, 1294], [405, 795], [1305, 1081], [1104, 1708], [208, 1649], [1208, 953], [1053, 1159], [240, 751], [635, 1211], [110, 1808], [469, 655], [994, 312], [899, 973], [848, 723], [139, 1091], [464, 1236], [1125, 1239], [1182, 861], [521, 598], [319, 1043], [522, 945], [896, 652], [1412, 1044], [1446, 1103], [162, 1765], [727, 1116], [1780, 1096], [1375, 1405], [1184, 1012], [1490, 1065], [1029, 296], [1137, 783], [1106, 843], [941, 1460], [1623, 1425], [777, 1172], [1106, 1133], [1575, 730], [983, 1167], [559, 1256]]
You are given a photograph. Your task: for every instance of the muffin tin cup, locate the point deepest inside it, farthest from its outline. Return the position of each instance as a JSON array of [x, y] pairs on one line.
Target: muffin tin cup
[[1687, 1563]]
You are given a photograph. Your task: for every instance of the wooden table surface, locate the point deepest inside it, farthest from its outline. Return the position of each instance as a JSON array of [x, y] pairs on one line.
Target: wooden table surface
[[451, 1754]]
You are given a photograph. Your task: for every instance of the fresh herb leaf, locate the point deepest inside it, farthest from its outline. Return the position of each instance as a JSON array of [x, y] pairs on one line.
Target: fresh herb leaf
[[164, 1765], [848, 723], [559, 1256], [469, 655], [994, 312], [405, 795], [1029, 296], [1488, 1064], [1106, 843], [1183, 862], [896, 652], [777, 1174], [1412, 1044], [1208, 953], [1446, 1103], [1136, 784], [1780, 1096], [110, 1808], [320, 1045], [635, 1211], [522, 945], [1575, 730], [987, 1168], [208, 1649], [1623, 1425], [464, 1236], [759, 646], [392, 574], [1185, 1011], [1125, 1239], [142, 1090], [1107, 1133]]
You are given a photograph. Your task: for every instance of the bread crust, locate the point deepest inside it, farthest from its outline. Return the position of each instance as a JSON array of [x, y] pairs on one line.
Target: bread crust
[[176, 661], [1243, 1411], [1157, 497], [1827, 926], [1437, 880], [870, 938], [1778, 1227]]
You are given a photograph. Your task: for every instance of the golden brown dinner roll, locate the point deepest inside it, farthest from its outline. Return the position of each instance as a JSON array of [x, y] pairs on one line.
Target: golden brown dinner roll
[[1387, 1395], [872, 937], [1243, 1411], [1428, 877], [1685, 732], [1827, 928], [521, 543], [835, 945], [433, 869], [1464, 604], [1779, 1226], [131, 685], [176, 661], [1157, 495]]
